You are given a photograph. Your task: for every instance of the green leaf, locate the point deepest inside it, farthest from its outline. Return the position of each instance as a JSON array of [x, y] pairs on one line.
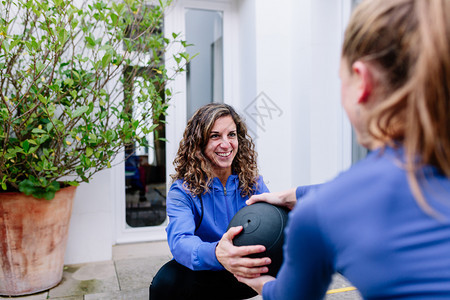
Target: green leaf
[[25, 146], [38, 131], [4, 187], [47, 195], [39, 67], [89, 151], [68, 81], [62, 35], [90, 42], [107, 48], [5, 46], [106, 60], [33, 149], [79, 111], [43, 139], [114, 18]]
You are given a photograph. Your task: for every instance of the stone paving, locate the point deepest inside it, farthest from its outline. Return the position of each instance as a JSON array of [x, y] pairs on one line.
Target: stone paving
[[128, 275]]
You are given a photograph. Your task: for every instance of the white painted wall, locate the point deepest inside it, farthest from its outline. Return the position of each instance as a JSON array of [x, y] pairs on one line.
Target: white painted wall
[[327, 132], [273, 63], [91, 225], [296, 59]]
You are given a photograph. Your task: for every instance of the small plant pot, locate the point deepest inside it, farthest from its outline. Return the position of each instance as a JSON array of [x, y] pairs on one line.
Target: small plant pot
[[33, 239]]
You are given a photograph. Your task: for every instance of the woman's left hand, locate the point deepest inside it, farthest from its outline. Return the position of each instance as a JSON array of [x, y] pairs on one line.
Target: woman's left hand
[[234, 258], [255, 283]]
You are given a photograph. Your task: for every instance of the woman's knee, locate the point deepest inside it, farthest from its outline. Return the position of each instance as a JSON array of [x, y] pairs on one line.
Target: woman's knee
[[168, 282]]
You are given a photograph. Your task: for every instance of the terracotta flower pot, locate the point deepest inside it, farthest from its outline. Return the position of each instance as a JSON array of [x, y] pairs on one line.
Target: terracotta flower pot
[[33, 238]]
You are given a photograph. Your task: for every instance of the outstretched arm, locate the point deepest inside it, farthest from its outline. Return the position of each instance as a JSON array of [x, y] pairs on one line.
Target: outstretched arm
[[286, 198]]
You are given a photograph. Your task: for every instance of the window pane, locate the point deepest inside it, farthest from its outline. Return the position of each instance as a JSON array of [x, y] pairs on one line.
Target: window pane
[[205, 71], [145, 167]]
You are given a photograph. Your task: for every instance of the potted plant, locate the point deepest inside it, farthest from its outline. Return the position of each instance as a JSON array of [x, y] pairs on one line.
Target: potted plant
[[69, 102]]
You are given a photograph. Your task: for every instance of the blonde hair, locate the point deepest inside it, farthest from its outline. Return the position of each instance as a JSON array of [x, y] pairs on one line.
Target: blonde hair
[[194, 168], [408, 43]]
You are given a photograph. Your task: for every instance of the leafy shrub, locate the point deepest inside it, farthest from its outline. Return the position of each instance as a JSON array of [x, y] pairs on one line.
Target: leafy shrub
[[68, 94]]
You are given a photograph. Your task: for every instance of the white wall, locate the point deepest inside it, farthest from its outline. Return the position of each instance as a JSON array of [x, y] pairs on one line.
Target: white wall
[[92, 223], [264, 94], [321, 135], [294, 63], [273, 60], [301, 91], [328, 136]]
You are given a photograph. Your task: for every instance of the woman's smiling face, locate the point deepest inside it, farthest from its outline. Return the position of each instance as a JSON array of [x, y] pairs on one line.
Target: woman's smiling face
[[222, 145]]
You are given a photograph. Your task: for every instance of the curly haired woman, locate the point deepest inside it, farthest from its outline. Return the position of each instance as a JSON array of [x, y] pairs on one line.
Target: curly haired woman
[[216, 172]]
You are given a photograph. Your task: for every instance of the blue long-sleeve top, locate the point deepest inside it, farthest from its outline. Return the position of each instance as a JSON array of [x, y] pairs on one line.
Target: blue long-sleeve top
[[366, 225], [196, 249]]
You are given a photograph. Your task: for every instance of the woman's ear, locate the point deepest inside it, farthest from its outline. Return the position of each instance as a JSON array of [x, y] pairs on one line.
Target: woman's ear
[[365, 80]]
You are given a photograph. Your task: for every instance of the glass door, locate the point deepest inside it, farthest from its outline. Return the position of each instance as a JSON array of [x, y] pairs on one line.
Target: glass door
[[204, 77]]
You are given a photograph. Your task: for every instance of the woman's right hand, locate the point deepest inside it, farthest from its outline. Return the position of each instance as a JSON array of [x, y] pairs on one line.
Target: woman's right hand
[[286, 198]]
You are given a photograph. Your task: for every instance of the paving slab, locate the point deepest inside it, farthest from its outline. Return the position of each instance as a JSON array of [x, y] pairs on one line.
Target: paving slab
[[350, 295], [139, 294], [84, 279], [340, 282], [149, 249], [138, 273]]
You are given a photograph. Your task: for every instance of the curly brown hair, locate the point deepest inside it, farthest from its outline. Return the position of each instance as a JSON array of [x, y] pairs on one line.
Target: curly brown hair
[[194, 168]]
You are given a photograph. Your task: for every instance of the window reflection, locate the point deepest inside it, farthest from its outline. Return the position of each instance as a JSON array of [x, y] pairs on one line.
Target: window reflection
[[145, 168], [145, 178]]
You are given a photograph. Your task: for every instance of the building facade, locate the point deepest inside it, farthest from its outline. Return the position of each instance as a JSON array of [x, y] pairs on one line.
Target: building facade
[[277, 63]]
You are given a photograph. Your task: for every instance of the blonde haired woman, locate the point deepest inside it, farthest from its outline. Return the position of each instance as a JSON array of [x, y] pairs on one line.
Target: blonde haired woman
[[385, 223], [216, 172]]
